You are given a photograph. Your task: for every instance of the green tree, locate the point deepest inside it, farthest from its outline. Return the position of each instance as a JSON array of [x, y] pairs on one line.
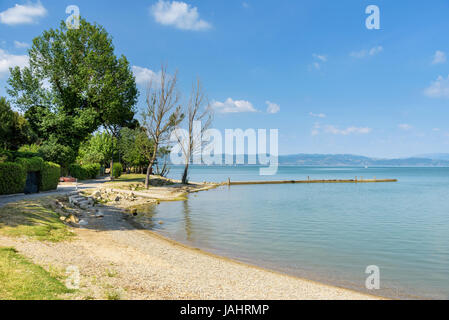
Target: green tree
[[74, 84], [100, 148], [15, 130], [135, 146]]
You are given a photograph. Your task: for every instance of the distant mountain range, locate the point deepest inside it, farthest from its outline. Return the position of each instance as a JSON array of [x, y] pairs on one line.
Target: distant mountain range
[[350, 160], [435, 156], [440, 160]]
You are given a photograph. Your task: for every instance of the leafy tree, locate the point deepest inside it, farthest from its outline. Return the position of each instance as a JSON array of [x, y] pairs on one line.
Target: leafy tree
[[53, 151], [74, 84], [15, 130], [100, 148], [135, 147]]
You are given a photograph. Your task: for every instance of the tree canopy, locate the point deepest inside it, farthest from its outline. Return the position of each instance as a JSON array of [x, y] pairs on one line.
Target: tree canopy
[[73, 85], [15, 130]]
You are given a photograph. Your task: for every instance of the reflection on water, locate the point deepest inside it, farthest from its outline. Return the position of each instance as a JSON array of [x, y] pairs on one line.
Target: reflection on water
[[187, 220], [329, 232]]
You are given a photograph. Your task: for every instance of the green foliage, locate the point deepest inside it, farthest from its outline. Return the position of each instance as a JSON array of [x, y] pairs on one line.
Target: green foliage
[[6, 155], [89, 171], [93, 170], [12, 178], [100, 148], [31, 164], [88, 87], [52, 151], [50, 174], [77, 171], [117, 170], [14, 128], [29, 148], [134, 146]]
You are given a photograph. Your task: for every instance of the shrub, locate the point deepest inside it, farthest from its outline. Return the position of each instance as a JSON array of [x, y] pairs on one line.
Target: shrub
[[29, 148], [6, 156], [117, 170], [78, 172], [93, 170], [12, 178], [89, 171], [50, 176], [31, 164]]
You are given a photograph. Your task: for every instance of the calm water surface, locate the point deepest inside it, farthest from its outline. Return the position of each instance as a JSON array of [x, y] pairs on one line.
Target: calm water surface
[[325, 232]]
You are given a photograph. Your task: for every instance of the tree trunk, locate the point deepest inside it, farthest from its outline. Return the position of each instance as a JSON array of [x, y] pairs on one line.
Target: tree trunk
[[147, 179], [112, 167], [185, 174]]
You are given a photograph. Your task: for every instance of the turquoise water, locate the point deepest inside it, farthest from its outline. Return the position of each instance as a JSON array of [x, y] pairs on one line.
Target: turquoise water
[[325, 232]]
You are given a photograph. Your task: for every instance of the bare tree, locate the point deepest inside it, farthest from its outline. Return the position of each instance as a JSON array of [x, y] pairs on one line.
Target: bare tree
[[199, 113], [162, 115]]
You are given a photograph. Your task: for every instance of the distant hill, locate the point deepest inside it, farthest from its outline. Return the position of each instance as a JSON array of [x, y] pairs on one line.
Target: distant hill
[[435, 156], [350, 160], [354, 160]]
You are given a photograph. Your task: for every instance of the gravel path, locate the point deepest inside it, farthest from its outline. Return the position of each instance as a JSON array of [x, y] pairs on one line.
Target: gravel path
[[118, 260], [62, 189]]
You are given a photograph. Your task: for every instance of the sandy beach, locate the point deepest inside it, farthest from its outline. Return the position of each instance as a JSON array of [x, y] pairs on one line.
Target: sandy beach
[[114, 255]]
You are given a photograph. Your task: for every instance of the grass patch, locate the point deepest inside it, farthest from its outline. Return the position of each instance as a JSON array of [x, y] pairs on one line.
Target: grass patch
[[129, 178], [111, 273], [139, 179], [22, 280], [33, 219], [113, 295]]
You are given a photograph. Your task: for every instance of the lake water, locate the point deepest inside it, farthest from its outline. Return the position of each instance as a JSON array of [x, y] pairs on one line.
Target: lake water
[[324, 232]]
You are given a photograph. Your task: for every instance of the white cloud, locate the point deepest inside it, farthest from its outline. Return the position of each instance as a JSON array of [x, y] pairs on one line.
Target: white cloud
[[350, 130], [321, 58], [317, 115], [405, 126], [438, 88], [318, 128], [144, 76], [23, 14], [439, 57], [178, 14], [245, 4], [231, 106], [272, 107], [366, 53], [9, 61], [436, 129], [21, 45], [316, 65]]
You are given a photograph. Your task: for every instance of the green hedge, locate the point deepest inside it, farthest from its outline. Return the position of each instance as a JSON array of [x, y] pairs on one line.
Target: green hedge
[[50, 175], [31, 164], [117, 170], [93, 170], [13, 178], [89, 171]]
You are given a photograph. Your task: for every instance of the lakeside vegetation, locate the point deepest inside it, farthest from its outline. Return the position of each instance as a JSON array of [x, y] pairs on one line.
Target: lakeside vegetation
[[74, 106], [72, 113]]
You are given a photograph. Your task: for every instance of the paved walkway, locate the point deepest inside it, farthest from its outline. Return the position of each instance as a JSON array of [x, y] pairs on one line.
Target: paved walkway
[[62, 189]]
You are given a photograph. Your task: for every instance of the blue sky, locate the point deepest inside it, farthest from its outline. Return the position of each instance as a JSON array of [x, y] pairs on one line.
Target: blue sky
[[308, 68]]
